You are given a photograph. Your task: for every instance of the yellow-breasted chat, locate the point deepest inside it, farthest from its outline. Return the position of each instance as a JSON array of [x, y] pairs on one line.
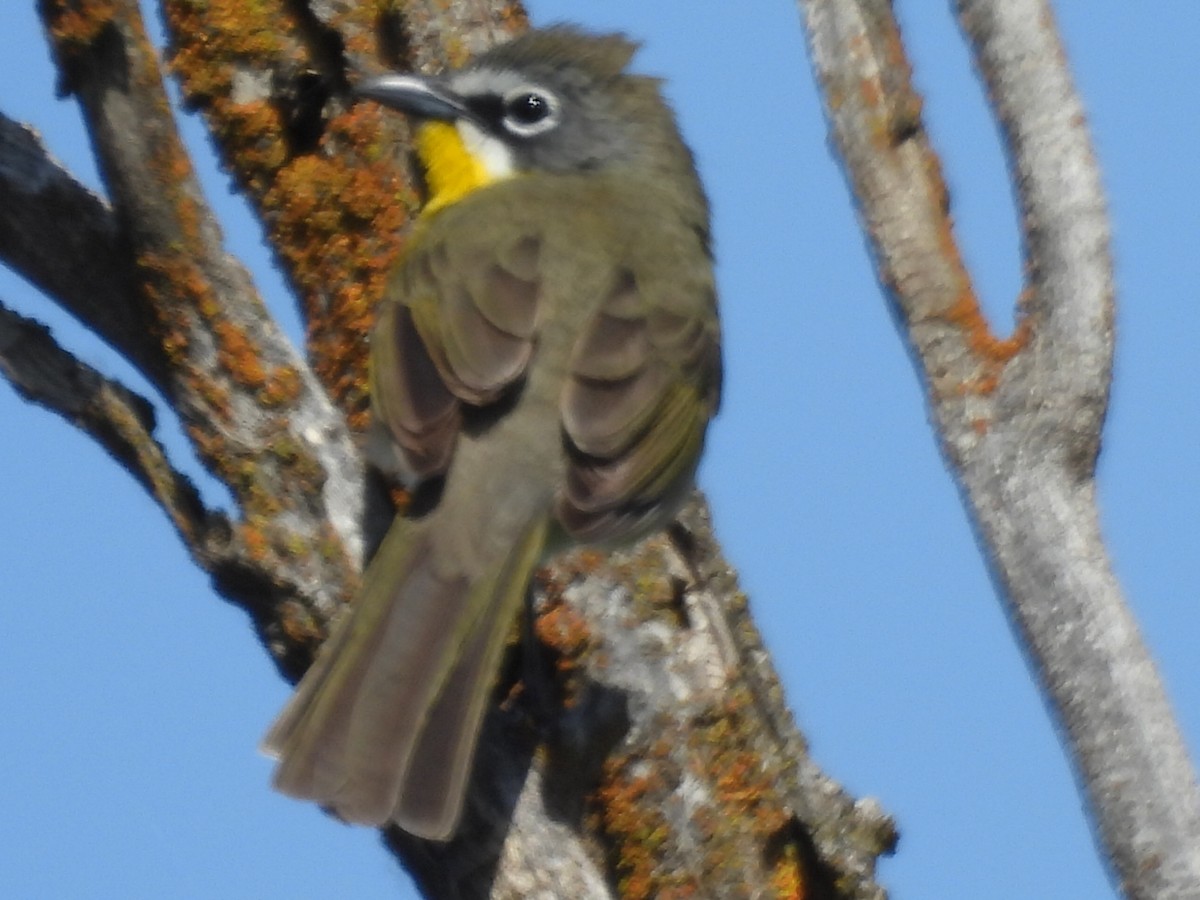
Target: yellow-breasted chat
[[548, 352]]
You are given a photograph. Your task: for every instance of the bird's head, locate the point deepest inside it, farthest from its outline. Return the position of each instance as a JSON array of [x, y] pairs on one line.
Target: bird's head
[[557, 100]]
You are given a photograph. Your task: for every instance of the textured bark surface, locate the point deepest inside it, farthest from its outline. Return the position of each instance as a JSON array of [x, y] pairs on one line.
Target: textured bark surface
[[640, 745], [1019, 418]]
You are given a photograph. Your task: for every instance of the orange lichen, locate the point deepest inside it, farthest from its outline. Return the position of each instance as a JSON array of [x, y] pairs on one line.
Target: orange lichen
[[221, 31], [256, 543], [513, 17], [564, 631], [744, 809], [992, 353], [219, 404], [338, 225], [787, 874], [75, 24], [588, 560], [282, 387], [175, 288], [628, 802], [299, 625], [871, 91], [253, 130], [965, 313], [723, 750], [334, 216], [742, 788], [239, 356]]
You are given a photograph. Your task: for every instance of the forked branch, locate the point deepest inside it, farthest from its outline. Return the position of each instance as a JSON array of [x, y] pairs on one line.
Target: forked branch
[[1019, 418]]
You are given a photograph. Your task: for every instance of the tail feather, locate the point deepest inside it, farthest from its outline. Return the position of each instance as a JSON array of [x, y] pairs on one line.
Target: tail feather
[[385, 723], [418, 642], [439, 770], [308, 737]]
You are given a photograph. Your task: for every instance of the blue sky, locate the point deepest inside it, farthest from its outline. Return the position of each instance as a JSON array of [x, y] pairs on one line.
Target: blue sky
[[133, 698]]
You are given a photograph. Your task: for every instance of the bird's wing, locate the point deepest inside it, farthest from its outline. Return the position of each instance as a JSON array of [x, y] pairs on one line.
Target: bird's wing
[[643, 383], [457, 327]]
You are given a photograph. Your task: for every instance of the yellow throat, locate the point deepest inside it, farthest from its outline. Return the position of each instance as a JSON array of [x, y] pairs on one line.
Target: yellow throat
[[452, 170]]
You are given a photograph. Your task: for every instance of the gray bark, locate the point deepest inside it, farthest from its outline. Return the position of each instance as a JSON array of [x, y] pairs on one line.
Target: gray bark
[[1019, 419]]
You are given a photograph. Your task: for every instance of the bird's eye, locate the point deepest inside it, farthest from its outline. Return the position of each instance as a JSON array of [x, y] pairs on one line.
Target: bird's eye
[[528, 112], [527, 109]]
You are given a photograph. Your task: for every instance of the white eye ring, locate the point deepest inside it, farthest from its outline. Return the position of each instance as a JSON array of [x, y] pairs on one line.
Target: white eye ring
[[529, 111]]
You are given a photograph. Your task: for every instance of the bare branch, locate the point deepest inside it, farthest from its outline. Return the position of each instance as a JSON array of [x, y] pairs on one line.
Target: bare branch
[[875, 120], [64, 239], [119, 420], [250, 405], [122, 423], [1064, 222], [1034, 490], [1019, 418]]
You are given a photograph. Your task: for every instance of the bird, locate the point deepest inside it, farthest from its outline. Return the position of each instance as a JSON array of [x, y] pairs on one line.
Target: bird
[[546, 361]]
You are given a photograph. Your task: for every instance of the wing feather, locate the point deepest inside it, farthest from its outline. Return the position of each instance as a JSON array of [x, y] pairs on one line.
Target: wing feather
[[457, 327], [408, 395], [643, 383]]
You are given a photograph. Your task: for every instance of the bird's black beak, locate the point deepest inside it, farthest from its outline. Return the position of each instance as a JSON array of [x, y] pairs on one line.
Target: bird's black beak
[[415, 95]]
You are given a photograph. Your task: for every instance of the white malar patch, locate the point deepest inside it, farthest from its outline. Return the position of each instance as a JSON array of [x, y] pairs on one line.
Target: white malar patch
[[496, 157]]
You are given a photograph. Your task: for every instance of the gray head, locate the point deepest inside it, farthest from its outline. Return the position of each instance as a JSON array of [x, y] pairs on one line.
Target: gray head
[[555, 100]]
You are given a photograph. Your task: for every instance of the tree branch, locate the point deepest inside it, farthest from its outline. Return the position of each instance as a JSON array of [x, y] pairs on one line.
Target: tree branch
[[258, 419], [1124, 743], [64, 239], [1019, 419], [119, 420]]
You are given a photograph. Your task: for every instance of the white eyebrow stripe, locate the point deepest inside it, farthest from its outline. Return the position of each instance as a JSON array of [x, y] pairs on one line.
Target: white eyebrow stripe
[[474, 82]]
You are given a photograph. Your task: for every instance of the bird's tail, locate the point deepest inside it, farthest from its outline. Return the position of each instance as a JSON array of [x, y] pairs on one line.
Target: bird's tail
[[383, 727]]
